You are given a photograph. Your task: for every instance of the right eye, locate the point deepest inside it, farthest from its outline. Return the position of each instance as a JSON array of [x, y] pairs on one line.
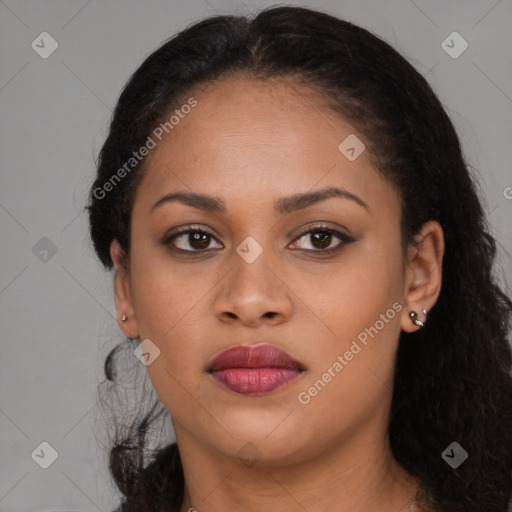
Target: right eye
[[196, 238]]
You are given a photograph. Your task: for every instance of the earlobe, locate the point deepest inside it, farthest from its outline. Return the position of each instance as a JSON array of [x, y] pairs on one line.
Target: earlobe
[[423, 276], [122, 291]]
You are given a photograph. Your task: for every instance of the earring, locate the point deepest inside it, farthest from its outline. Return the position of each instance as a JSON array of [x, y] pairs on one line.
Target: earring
[[414, 318], [123, 319]]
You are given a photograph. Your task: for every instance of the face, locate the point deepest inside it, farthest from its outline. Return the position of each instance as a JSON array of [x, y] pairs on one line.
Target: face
[[321, 279]]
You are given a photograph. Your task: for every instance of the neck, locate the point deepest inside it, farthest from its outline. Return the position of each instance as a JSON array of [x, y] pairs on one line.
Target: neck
[[357, 475]]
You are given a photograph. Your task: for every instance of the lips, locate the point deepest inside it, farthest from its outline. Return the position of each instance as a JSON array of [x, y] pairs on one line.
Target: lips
[[254, 356], [254, 369]]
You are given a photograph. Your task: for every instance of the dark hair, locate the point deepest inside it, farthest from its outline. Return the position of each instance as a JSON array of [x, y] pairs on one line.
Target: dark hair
[[452, 378]]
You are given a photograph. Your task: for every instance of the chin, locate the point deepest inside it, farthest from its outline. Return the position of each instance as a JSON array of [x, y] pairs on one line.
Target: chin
[[266, 443]]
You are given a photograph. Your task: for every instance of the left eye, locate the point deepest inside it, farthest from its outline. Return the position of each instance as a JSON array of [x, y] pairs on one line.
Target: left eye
[[321, 239]]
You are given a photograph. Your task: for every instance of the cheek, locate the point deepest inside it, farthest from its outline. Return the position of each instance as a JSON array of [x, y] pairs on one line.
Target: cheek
[[351, 375], [354, 291], [169, 318], [357, 310], [163, 291], [171, 305]]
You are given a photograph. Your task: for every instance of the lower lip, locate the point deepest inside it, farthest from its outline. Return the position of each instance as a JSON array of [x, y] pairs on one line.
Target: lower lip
[[255, 381]]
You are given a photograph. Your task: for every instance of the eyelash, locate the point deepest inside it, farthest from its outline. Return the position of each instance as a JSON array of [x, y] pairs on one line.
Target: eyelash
[[345, 239]]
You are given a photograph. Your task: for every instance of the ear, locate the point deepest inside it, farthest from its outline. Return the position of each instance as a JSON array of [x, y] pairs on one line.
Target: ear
[[423, 274], [122, 289]]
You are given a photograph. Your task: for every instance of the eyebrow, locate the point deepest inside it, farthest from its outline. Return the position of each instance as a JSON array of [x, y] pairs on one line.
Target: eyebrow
[[283, 206]]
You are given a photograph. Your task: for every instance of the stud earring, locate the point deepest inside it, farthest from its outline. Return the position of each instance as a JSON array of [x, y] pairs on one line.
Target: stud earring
[[414, 318], [123, 319]]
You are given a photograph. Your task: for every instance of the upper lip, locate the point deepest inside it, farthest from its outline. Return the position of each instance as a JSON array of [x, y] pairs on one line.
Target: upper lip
[[262, 355]]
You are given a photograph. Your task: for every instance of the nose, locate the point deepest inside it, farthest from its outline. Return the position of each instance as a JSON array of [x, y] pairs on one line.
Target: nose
[[253, 294]]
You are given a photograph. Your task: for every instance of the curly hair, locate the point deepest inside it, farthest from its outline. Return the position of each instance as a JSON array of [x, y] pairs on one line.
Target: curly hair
[[452, 378]]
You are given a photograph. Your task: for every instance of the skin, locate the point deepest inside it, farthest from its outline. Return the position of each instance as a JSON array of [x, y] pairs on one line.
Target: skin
[[251, 143]]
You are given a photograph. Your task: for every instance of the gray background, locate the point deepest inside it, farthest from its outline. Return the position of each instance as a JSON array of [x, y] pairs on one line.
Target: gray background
[[57, 310]]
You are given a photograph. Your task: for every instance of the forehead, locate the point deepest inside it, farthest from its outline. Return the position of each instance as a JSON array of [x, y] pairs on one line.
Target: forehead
[[252, 139]]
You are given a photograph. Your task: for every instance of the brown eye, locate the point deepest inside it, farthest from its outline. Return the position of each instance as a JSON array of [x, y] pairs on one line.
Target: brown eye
[[320, 240], [198, 240], [190, 240]]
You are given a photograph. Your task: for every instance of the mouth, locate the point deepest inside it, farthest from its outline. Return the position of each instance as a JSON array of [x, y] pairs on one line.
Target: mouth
[[254, 370]]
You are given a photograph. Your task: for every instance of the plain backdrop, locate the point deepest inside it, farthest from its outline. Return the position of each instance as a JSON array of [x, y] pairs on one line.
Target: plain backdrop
[[56, 302]]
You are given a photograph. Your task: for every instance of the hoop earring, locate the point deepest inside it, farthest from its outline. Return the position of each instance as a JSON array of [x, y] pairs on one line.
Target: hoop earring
[[123, 319], [414, 318]]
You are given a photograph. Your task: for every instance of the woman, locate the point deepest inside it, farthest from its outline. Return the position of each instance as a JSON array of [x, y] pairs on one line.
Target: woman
[[302, 258]]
